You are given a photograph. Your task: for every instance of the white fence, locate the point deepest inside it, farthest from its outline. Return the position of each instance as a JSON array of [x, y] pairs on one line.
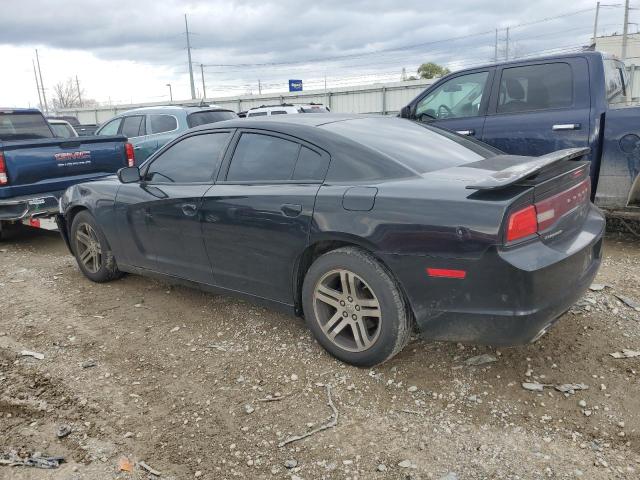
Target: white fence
[[387, 98]]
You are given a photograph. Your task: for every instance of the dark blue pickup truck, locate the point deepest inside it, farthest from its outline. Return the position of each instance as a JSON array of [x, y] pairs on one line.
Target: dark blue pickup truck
[[537, 106], [36, 167]]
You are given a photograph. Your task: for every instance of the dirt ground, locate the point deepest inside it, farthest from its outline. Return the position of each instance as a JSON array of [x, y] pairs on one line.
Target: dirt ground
[[180, 379]]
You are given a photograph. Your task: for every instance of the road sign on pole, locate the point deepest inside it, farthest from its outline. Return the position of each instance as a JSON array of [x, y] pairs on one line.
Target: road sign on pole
[[295, 85]]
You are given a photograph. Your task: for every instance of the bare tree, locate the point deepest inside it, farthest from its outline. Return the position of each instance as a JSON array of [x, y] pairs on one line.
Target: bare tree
[[66, 95]]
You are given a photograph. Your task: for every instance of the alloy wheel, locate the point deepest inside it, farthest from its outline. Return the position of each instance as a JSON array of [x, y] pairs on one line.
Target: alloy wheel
[[347, 310], [89, 249]]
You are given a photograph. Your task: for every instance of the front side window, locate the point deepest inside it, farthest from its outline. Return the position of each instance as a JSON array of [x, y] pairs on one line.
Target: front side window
[[261, 158], [192, 160], [133, 126], [535, 87], [110, 128], [162, 123], [456, 98]]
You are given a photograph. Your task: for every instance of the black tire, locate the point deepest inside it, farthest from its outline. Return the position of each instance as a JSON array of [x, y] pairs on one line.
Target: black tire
[[106, 268], [390, 333]]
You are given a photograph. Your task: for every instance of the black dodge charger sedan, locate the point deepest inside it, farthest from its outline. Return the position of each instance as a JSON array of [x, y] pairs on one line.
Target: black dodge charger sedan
[[369, 227]]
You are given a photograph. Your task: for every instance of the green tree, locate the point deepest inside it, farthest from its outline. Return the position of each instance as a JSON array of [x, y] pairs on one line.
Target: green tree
[[430, 70]]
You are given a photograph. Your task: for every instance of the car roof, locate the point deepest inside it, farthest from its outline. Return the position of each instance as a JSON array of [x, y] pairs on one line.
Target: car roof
[[57, 121], [586, 53], [285, 121], [19, 110], [169, 109]]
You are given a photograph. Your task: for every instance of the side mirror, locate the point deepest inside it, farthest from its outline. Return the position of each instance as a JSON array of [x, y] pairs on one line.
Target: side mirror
[[129, 175], [405, 112]]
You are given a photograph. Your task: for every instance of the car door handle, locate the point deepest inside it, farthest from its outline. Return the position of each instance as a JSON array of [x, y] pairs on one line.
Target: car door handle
[[466, 132], [189, 209], [291, 209], [566, 126]]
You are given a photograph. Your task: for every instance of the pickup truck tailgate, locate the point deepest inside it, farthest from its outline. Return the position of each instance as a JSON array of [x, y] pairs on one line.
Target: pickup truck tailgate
[[53, 164]]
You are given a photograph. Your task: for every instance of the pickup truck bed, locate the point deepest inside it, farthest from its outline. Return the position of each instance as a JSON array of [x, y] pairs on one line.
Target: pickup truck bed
[[36, 168]]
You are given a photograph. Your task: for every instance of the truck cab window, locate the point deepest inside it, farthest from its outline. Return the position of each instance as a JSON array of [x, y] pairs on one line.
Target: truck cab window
[[456, 98], [535, 87]]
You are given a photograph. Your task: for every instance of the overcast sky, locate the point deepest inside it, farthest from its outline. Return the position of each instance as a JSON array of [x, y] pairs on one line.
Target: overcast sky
[[125, 51]]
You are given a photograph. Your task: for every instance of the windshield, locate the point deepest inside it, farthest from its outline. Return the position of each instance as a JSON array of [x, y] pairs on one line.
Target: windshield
[[208, 116], [62, 130], [23, 126], [422, 148]]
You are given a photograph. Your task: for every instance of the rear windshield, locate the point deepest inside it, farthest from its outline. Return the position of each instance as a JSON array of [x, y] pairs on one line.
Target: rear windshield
[[314, 109], [420, 147], [23, 126], [202, 118]]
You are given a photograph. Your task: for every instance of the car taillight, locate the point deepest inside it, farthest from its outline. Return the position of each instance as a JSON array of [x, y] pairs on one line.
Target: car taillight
[[4, 178], [131, 158], [543, 214], [522, 223]]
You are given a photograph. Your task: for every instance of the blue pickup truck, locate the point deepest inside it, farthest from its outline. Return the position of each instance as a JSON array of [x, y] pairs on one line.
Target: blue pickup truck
[[36, 166], [537, 106]]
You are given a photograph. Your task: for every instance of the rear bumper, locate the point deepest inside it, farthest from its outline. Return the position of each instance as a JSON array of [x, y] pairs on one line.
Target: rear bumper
[[509, 297], [27, 206]]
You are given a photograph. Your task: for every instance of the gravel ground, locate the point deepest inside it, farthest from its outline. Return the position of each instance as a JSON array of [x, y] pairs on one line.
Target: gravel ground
[[181, 380]]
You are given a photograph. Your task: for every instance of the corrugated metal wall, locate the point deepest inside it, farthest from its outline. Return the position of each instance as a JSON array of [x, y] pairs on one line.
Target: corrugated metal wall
[[386, 98]]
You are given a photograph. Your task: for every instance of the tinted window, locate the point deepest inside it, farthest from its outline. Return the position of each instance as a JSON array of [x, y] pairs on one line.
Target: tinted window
[[310, 165], [535, 87], [263, 158], [133, 126], [257, 114], [110, 128], [162, 123], [459, 97], [420, 147], [194, 159], [278, 112], [314, 109], [23, 126], [202, 118]]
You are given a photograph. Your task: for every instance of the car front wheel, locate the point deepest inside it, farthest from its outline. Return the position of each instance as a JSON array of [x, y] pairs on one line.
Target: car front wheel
[[355, 308], [92, 250]]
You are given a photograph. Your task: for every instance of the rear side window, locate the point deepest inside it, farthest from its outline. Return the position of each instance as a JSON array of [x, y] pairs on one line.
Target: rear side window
[[192, 160], [535, 87], [111, 128], [257, 114], [615, 76], [133, 126], [264, 158], [162, 123], [203, 118], [23, 126], [310, 165], [278, 112]]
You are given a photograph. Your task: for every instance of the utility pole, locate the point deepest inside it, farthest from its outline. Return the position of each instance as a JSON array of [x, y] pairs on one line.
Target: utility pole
[[44, 96], [495, 49], [625, 30], [78, 87], [170, 93], [506, 55], [204, 89], [193, 87], [259, 87], [595, 23], [35, 74]]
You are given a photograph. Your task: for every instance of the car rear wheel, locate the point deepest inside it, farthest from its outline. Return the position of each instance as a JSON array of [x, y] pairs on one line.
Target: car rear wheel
[[91, 249], [355, 308]]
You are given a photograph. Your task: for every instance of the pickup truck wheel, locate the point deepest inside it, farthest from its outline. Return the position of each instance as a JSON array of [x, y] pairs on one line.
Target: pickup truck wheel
[[355, 308], [91, 249]]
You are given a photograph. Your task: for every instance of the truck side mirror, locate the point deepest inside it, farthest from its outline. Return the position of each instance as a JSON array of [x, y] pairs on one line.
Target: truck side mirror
[[129, 175]]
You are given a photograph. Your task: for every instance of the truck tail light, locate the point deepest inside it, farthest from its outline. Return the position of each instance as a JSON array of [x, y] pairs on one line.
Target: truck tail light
[[4, 177], [131, 158]]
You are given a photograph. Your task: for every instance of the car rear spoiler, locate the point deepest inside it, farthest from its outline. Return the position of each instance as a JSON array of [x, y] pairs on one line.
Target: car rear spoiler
[[525, 167]]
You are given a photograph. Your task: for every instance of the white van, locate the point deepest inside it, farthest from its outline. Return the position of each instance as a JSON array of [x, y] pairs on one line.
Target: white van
[[286, 108]]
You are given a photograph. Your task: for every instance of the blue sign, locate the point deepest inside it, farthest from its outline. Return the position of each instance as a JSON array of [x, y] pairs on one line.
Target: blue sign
[[295, 85]]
